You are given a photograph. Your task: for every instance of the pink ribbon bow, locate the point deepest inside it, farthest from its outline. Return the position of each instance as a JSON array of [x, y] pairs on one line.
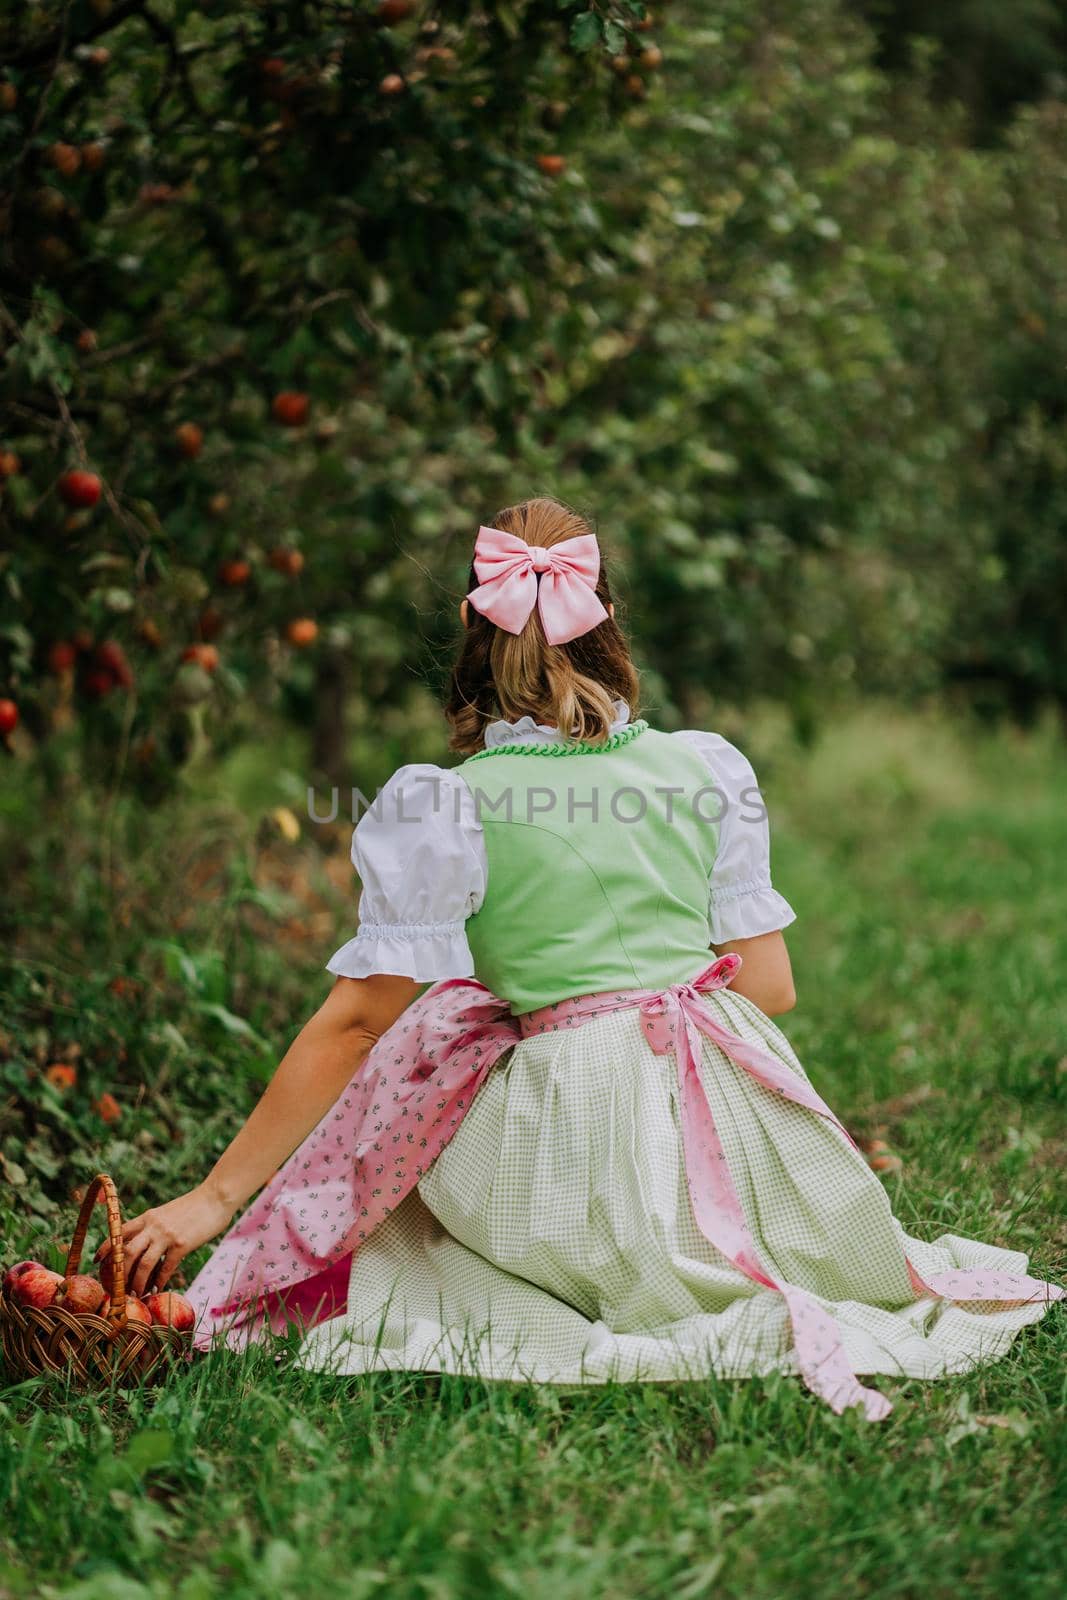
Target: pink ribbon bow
[[508, 589], [673, 1020]]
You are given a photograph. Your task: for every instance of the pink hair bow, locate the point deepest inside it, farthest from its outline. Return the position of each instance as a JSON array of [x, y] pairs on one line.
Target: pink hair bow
[[508, 589]]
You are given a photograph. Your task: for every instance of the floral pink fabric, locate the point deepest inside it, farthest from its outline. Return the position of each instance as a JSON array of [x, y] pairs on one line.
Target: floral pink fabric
[[289, 1255]]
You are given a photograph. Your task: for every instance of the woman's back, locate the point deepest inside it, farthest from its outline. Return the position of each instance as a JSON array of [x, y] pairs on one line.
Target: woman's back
[[549, 868]]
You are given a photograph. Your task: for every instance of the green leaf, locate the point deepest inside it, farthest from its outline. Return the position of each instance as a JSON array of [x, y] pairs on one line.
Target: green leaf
[[151, 1447], [234, 1024], [586, 30], [615, 38]]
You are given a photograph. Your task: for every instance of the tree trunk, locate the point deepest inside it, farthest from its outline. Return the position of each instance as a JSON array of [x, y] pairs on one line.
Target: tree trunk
[[328, 730]]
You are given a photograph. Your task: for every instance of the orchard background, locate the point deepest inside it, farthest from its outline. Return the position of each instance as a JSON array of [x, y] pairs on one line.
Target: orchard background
[[293, 296]]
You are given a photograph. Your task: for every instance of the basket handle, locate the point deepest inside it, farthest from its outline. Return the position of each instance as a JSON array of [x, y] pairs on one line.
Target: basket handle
[[104, 1185]]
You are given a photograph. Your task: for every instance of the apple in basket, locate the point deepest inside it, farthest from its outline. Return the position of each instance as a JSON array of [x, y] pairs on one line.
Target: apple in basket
[[172, 1309], [15, 1272], [36, 1286], [136, 1310], [81, 1293]]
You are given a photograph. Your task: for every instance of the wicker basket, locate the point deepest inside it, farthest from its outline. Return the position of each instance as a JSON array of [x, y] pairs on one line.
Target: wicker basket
[[101, 1347]]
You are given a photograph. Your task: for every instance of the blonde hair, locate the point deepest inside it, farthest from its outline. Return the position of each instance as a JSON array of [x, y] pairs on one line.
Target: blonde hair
[[569, 686]]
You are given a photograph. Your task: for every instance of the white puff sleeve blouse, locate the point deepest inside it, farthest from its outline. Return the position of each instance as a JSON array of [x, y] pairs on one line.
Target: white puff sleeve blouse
[[421, 859], [420, 855], [742, 901]]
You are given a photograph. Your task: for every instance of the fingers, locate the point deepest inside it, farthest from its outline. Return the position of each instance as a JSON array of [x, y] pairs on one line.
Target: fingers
[[169, 1265], [130, 1230], [146, 1252], [151, 1248]]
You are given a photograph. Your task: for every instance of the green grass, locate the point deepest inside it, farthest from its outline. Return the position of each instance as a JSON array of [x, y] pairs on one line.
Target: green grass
[[925, 862]]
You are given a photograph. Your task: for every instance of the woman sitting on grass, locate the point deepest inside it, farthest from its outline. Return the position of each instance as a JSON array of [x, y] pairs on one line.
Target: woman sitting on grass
[[586, 1152]]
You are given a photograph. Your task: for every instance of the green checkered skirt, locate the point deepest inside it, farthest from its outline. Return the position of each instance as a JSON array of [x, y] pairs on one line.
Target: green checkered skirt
[[553, 1239]]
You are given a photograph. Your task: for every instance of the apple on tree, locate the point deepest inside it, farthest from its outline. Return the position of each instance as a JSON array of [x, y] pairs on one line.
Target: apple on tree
[[235, 573], [62, 657], [204, 655], [290, 407], [189, 438], [79, 489], [302, 632], [291, 562]]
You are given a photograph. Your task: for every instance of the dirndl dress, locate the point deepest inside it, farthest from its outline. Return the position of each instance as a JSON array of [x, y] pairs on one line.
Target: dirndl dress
[[643, 1183]]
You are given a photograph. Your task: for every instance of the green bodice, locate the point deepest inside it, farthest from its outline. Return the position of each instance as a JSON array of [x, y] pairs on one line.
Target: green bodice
[[599, 862]]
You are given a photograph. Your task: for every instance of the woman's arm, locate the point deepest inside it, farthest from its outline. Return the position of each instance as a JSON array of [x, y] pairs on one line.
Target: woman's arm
[[766, 976], [309, 1078]]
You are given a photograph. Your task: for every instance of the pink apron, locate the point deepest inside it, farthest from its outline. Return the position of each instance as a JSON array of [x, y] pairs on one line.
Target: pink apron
[[288, 1257]]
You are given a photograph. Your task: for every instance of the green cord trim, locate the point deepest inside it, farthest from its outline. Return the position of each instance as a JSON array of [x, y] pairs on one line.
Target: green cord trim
[[578, 747]]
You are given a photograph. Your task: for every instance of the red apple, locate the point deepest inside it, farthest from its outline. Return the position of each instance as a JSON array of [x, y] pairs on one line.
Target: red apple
[[391, 84], [9, 717], [204, 655], [390, 12], [291, 407], [136, 1310], [62, 656], [234, 573], [98, 684], [15, 1272], [302, 632], [66, 158], [171, 1309], [36, 1286], [111, 657], [210, 623], [189, 437], [107, 1107], [291, 562], [81, 1293], [552, 166], [79, 488], [155, 194]]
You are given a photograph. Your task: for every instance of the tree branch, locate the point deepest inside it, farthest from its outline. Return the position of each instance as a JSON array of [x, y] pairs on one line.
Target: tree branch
[[54, 46]]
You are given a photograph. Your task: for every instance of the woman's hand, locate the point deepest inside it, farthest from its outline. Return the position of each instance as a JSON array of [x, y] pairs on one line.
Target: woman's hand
[[328, 1050], [159, 1239]]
